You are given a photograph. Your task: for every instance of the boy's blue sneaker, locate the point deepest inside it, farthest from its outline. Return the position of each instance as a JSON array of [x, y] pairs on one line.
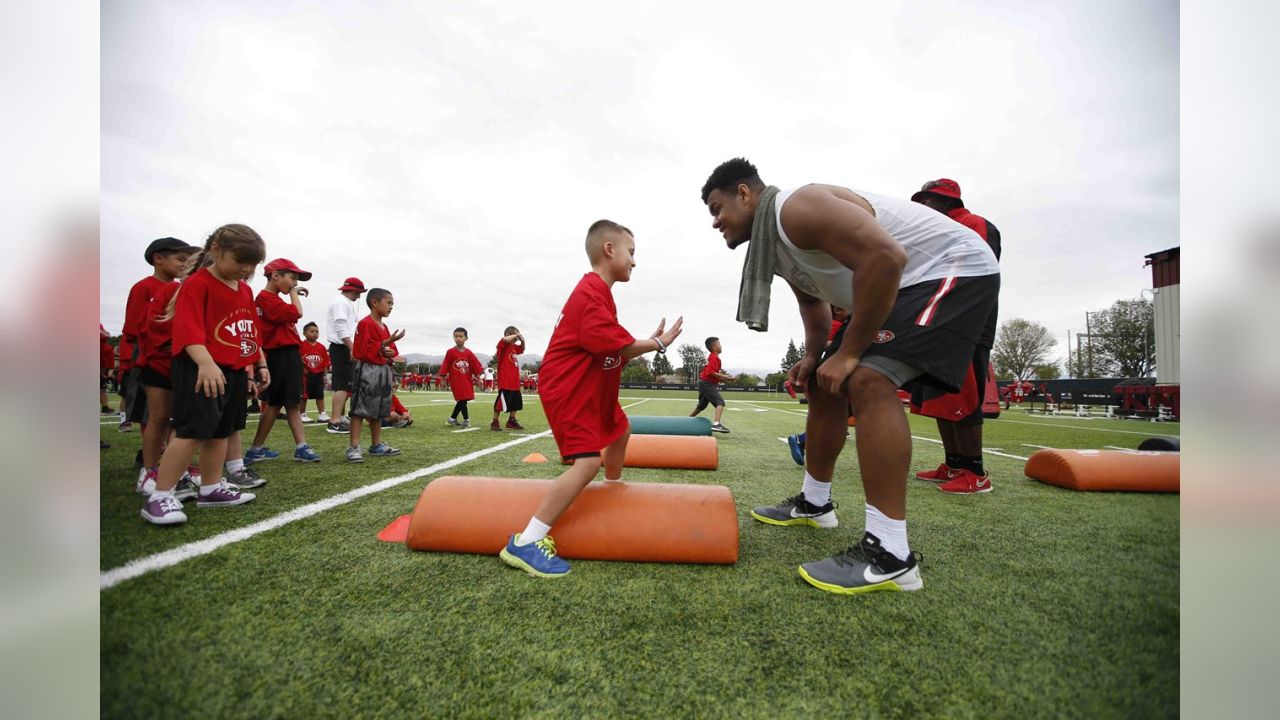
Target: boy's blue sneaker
[[383, 449], [252, 456], [305, 454], [796, 443], [539, 558]]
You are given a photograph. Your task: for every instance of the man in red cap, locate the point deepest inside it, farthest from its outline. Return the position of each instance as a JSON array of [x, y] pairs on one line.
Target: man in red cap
[[278, 323], [959, 415], [340, 330]]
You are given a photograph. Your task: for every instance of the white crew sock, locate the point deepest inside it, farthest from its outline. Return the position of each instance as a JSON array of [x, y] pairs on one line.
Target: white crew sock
[[235, 466], [892, 533], [301, 445], [206, 490], [535, 531], [815, 492]]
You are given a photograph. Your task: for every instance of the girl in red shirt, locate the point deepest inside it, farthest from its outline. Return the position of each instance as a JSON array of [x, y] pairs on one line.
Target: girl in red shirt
[[215, 339]]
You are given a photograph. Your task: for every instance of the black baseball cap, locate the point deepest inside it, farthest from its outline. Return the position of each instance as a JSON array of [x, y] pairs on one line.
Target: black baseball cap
[[168, 244]]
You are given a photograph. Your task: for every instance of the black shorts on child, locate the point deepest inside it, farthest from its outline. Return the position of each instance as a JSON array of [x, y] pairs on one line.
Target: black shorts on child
[[371, 391], [199, 417], [509, 401], [340, 361], [315, 386], [152, 378], [285, 366]]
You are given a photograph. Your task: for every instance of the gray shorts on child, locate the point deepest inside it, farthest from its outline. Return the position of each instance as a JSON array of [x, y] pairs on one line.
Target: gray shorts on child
[[371, 387]]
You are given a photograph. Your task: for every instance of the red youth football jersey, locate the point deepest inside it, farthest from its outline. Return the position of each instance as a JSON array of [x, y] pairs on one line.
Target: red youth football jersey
[[579, 378], [461, 366], [278, 321], [368, 343], [710, 369], [315, 358], [222, 319], [159, 332], [508, 365]]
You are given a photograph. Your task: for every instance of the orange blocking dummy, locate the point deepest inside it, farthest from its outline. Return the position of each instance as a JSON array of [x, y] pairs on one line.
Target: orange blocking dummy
[[635, 522], [1121, 470]]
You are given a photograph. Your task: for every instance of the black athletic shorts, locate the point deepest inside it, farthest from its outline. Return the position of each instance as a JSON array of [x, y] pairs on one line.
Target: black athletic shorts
[[964, 407], [708, 394], [509, 401], [315, 386], [197, 416], [285, 366], [134, 397], [340, 359], [151, 378], [934, 326]]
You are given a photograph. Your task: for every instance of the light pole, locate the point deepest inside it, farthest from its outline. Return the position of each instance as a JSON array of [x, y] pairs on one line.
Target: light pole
[[1146, 355]]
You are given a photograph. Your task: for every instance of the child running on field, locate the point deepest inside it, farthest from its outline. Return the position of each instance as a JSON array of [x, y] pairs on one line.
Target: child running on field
[[461, 366], [580, 379], [709, 385], [215, 339], [372, 381], [315, 360], [509, 399]]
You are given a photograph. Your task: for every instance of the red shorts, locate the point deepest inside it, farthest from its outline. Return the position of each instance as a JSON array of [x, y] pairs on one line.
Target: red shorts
[[583, 430]]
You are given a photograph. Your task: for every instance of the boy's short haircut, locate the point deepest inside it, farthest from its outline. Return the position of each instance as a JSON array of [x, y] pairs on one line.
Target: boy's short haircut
[[375, 295], [310, 325], [729, 175], [461, 330], [710, 341], [596, 233], [511, 330]]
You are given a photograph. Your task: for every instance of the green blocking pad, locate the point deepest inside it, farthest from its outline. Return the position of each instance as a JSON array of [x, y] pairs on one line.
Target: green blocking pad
[[658, 425]]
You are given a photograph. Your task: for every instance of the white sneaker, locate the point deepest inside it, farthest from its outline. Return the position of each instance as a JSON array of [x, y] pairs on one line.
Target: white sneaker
[[324, 417], [307, 418], [146, 483]]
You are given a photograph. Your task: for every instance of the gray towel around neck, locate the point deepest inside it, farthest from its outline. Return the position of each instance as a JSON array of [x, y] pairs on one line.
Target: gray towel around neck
[[757, 268]]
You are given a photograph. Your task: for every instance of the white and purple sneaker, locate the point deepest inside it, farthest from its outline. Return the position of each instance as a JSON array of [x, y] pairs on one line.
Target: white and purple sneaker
[[163, 509], [223, 495]]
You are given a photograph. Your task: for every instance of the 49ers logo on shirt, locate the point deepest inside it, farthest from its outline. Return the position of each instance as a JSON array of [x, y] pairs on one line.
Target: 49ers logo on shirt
[[883, 336], [462, 366], [612, 362], [238, 330]]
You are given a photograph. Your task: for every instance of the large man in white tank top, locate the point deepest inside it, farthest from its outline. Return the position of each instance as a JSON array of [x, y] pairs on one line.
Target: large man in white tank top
[[919, 288]]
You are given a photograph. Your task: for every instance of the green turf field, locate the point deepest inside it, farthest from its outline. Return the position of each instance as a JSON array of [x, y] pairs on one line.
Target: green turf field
[[1038, 601]]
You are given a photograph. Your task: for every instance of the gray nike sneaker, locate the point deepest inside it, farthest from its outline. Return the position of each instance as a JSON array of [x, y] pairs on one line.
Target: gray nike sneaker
[[865, 567], [797, 511], [246, 479]]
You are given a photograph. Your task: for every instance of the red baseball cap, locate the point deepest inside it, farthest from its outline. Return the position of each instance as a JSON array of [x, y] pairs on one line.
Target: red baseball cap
[[943, 187], [285, 264], [352, 283]]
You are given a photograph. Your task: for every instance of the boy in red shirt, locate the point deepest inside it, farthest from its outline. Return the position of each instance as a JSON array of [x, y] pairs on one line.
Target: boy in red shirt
[[215, 338], [509, 399], [168, 260], [399, 416], [580, 379], [372, 381], [315, 360], [461, 365], [278, 322], [709, 385]]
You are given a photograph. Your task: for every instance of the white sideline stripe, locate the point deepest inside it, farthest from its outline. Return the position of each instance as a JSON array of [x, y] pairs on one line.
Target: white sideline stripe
[[470, 429], [1041, 447], [789, 412], [169, 558], [985, 451], [1115, 447], [1077, 427], [783, 439]]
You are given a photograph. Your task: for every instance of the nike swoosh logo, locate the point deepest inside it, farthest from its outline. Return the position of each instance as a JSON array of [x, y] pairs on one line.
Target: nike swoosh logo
[[874, 578], [983, 482]]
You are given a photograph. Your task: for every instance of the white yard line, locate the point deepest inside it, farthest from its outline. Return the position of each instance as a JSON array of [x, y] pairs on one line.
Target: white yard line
[[986, 451], [169, 558], [470, 429], [1077, 427], [1039, 447]]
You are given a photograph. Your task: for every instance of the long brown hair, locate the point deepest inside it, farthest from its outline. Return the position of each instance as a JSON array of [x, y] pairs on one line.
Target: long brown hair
[[240, 240]]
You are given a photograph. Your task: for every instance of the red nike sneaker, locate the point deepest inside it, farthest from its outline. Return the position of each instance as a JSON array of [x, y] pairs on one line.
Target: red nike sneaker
[[942, 474], [965, 482]]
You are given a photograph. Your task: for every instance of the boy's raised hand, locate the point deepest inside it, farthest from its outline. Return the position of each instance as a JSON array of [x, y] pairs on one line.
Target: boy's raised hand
[[669, 336], [396, 336]]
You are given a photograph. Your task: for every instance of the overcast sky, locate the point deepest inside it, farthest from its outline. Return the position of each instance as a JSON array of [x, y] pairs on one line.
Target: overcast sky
[[456, 154]]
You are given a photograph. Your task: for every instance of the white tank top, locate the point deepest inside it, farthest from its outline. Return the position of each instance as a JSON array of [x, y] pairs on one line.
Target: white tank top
[[936, 247]]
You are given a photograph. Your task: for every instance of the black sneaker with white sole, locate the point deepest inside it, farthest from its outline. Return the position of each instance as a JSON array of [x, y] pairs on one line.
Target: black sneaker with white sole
[[338, 428], [717, 427], [797, 511], [865, 567]]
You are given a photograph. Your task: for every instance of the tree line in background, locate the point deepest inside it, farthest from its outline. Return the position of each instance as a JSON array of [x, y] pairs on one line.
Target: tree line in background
[[1120, 341]]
